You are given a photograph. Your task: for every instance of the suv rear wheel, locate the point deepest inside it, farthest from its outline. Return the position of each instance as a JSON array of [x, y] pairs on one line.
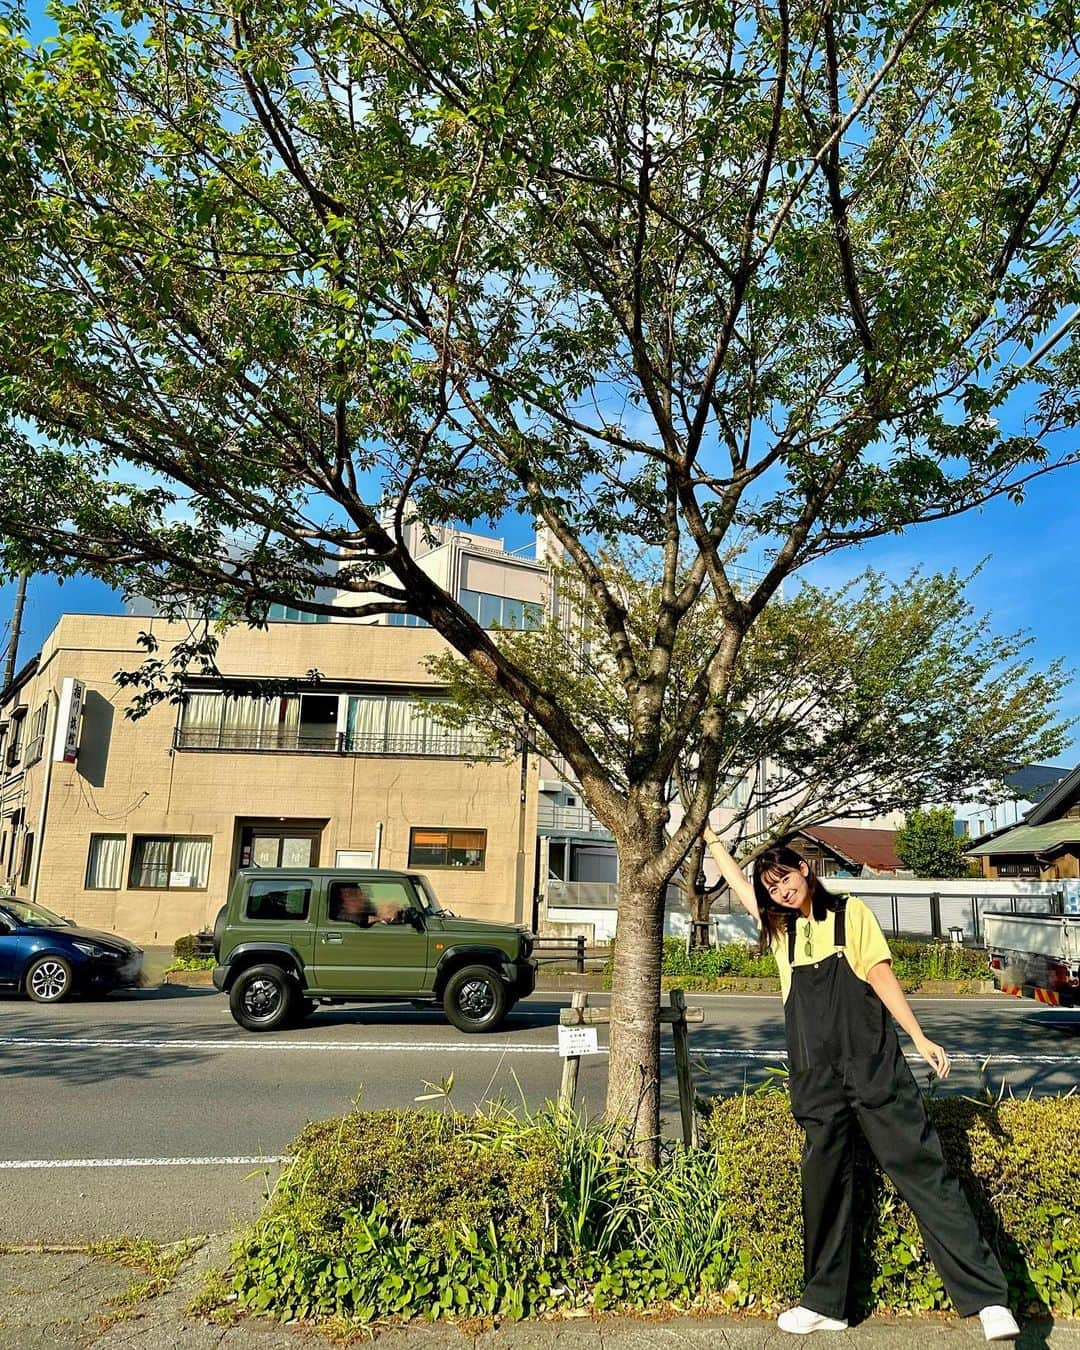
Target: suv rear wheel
[[263, 998], [476, 999]]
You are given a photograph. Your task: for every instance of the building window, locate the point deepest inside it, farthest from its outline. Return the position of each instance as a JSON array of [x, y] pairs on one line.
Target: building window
[[105, 864], [27, 859], [395, 724], [406, 621], [290, 614], [1018, 869], [278, 900], [36, 743], [500, 611], [169, 863], [15, 738], [211, 721], [447, 848]]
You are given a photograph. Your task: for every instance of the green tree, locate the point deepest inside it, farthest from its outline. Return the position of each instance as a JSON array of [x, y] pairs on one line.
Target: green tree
[[875, 698], [929, 845], [676, 274]]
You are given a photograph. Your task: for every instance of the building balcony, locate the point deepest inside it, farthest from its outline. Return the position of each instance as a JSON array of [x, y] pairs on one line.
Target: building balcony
[[595, 894], [551, 819], [320, 741]]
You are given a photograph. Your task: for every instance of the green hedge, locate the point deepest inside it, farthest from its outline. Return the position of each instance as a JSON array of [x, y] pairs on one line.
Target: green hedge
[[396, 1214], [913, 963]]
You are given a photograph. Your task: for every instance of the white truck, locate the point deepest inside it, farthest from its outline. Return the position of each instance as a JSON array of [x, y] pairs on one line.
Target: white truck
[[1035, 955]]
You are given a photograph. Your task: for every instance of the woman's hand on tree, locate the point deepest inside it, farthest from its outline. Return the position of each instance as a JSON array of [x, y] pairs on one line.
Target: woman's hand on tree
[[934, 1055]]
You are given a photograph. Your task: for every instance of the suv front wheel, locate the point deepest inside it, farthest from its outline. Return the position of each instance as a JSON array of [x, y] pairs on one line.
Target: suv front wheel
[[476, 999], [263, 998]]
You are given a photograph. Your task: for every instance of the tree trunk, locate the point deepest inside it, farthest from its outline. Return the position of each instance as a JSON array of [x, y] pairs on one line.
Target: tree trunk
[[633, 1096]]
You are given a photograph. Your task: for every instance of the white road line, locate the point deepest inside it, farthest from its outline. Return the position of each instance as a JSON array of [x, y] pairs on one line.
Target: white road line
[[421, 1047], [43, 1164], [460, 1047]]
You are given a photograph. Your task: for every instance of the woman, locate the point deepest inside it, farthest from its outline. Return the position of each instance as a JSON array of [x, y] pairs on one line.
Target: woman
[[846, 1064]]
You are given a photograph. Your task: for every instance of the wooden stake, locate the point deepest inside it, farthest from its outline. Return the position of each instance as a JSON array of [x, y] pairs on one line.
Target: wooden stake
[[571, 1064], [682, 1069]]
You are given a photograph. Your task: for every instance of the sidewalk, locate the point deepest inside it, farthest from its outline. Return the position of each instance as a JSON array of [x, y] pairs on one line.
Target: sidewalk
[[63, 1299]]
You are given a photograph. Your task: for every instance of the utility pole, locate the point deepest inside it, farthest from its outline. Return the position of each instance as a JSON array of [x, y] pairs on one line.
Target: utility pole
[[16, 629]]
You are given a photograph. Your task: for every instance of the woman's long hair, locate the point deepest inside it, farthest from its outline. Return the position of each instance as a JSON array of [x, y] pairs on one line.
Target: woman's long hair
[[774, 917]]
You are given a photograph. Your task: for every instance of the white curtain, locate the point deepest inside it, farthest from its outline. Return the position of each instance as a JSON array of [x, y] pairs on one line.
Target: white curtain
[[242, 720], [398, 723], [284, 713], [105, 870], [366, 721], [201, 718], [191, 858], [150, 862]]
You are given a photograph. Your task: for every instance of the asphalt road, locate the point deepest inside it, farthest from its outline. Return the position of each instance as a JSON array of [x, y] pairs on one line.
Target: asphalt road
[[154, 1113]]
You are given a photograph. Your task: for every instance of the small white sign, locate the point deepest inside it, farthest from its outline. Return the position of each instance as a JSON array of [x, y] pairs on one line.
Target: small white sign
[[66, 741], [577, 1041]]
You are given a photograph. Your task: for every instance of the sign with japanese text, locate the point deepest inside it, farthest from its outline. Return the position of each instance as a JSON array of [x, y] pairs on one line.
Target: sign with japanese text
[[66, 742]]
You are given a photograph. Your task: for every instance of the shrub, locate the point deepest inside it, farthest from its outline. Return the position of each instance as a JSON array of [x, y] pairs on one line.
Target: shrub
[[392, 1214], [918, 961], [1016, 1163], [186, 948], [407, 1213]]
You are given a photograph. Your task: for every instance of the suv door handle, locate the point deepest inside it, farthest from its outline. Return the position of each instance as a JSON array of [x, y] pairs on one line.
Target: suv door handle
[[332, 937]]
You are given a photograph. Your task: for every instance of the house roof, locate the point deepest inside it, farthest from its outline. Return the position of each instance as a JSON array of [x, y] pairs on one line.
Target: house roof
[[1046, 838], [1034, 781], [875, 849], [1057, 800]]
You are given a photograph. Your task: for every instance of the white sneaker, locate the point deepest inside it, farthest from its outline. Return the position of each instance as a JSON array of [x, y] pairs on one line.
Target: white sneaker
[[802, 1321], [998, 1323]]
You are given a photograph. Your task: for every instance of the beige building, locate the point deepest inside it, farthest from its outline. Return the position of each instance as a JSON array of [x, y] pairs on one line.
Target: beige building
[[138, 826]]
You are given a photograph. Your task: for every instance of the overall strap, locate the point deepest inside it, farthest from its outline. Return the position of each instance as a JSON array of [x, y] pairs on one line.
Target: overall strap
[[840, 923], [791, 939]]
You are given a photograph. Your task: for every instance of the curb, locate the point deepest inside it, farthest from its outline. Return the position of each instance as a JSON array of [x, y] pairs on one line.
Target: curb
[[593, 982]]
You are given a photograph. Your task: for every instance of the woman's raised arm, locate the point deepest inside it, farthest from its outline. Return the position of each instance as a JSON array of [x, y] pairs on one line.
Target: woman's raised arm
[[732, 873]]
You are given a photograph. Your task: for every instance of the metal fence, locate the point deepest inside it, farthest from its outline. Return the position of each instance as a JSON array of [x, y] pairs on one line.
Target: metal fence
[[940, 915]]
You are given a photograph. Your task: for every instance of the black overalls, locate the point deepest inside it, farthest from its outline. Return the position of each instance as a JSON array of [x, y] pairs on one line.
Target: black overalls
[[846, 1063]]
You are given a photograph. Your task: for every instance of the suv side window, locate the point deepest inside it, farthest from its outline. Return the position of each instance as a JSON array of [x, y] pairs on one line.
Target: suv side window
[[278, 900], [368, 903]]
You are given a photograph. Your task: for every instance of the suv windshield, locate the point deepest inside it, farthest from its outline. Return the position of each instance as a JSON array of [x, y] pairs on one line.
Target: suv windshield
[[37, 915], [425, 894]]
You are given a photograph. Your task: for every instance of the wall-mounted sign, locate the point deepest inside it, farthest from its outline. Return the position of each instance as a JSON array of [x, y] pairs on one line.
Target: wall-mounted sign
[[66, 741]]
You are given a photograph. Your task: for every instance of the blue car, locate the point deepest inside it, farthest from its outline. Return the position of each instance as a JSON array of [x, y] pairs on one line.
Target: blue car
[[49, 957]]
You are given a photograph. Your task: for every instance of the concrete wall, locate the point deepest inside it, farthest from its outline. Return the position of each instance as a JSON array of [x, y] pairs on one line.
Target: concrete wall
[[129, 780]]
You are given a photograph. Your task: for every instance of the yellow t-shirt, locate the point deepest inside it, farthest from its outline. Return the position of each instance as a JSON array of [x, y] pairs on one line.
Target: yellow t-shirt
[[864, 944]]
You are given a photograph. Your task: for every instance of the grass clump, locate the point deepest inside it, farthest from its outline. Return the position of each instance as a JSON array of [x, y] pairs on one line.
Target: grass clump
[[157, 1267]]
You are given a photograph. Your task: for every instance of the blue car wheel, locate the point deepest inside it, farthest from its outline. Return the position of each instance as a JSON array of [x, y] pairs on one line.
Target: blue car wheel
[[48, 979]]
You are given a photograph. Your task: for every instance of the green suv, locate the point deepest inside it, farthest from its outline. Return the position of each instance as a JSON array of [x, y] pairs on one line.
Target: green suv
[[292, 938]]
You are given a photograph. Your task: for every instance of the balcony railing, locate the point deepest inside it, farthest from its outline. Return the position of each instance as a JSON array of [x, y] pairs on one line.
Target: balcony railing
[[594, 894], [576, 819], [311, 741]]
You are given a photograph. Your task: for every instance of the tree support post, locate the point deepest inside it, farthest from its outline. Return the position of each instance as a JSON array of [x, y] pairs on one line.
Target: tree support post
[[571, 1064], [678, 1015]]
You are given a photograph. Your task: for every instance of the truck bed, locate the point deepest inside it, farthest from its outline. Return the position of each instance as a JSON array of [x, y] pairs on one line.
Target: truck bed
[[1037, 955], [1045, 934]]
